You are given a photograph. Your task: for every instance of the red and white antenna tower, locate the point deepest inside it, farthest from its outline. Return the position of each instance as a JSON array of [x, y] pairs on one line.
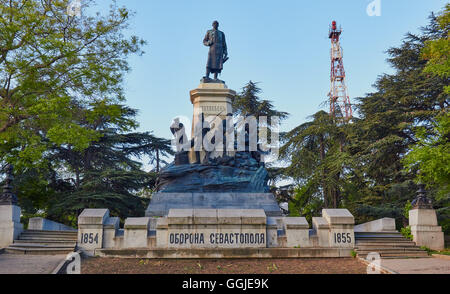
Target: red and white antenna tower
[[339, 100]]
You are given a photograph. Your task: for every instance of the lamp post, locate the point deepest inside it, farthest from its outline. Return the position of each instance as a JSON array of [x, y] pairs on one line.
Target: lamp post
[[8, 197]]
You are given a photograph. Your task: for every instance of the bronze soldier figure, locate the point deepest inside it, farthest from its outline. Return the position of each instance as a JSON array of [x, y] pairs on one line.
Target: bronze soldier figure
[[218, 53]]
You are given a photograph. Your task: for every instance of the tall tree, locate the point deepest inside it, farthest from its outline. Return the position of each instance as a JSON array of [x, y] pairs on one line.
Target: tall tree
[[437, 51], [316, 159], [408, 99], [248, 102], [104, 175], [404, 100], [51, 66]]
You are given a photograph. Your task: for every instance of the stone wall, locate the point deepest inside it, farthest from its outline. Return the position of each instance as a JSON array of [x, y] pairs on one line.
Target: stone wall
[[42, 224], [213, 230]]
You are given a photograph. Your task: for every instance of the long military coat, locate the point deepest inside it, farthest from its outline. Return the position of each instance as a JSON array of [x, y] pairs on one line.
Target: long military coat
[[215, 39]]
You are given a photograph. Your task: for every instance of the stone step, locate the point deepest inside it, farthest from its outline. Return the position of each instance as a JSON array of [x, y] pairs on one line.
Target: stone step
[[391, 239], [59, 233], [384, 245], [43, 241], [399, 255], [38, 251], [377, 233], [371, 235], [46, 238], [389, 250], [385, 242], [44, 245]]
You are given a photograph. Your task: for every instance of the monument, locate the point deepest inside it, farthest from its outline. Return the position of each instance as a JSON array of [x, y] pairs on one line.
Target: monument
[[221, 178], [213, 200]]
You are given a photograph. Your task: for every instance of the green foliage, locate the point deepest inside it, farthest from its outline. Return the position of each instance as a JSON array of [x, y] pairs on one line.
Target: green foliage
[[249, 103], [431, 155], [428, 250], [304, 203], [353, 253], [437, 51], [406, 232], [361, 165], [62, 116], [316, 154], [406, 209], [56, 68]]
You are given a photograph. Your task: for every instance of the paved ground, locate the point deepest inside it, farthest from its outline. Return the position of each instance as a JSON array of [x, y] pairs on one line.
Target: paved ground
[[418, 265], [29, 264]]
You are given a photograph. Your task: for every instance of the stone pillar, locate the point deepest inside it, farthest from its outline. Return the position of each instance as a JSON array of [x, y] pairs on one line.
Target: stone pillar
[[297, 232], [136, 232], [109, 232], [341, 224], [90, 229], [212, 99], [162, 226], [10, 226], [322, 228], [272, 232], [425, 229], [423, 222]]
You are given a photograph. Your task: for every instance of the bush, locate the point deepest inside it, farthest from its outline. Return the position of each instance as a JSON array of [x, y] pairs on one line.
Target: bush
[[406, 232]]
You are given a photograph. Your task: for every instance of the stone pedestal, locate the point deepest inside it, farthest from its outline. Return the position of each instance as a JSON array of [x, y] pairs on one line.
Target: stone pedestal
[[425, 229], [161, 203], [211, 99], [90, 229], [214, 102], [10, 226]]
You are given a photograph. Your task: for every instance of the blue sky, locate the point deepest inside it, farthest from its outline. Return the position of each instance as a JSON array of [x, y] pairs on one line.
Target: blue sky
[[281, 44]]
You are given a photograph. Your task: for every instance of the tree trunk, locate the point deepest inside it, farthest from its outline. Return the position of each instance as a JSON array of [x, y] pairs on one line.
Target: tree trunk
[[322, 158], [157, 161]]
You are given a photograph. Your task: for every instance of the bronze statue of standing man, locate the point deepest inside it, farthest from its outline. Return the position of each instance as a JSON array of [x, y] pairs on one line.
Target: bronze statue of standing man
[[218, 53]]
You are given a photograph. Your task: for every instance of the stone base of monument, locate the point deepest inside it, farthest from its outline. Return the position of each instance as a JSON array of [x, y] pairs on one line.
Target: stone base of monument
[[217, 233], [10, 226], [161, 203], [425, 229]]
